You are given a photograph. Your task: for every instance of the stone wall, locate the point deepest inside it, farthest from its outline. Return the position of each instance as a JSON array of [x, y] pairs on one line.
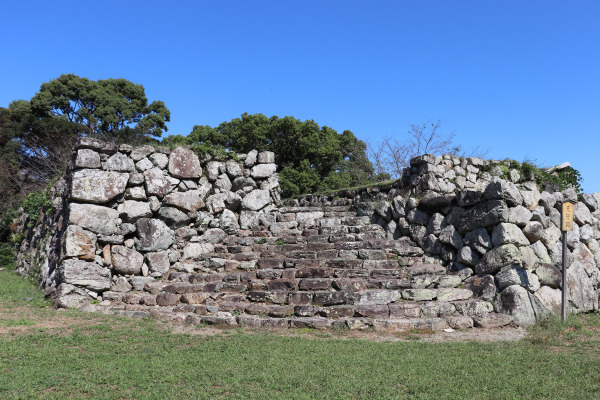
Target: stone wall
[[158, 231]]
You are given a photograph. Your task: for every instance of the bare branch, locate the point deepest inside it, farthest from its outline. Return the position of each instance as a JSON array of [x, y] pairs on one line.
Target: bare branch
[[392, 155]]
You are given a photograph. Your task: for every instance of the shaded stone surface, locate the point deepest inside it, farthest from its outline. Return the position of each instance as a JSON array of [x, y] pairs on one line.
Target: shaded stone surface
[[497, 258], [153, 235], [517, 302], [549, 275]]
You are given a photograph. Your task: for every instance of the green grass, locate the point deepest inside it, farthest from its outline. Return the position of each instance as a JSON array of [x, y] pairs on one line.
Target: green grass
[[108, 357]]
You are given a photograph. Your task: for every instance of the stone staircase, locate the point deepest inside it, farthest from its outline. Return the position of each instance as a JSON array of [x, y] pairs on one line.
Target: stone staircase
[[315, 267]]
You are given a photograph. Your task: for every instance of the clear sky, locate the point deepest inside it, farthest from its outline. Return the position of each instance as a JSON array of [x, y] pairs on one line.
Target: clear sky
[[521, 78]]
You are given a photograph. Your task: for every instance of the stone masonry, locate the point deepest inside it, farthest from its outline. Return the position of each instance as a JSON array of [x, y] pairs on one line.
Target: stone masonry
[[154, 231]]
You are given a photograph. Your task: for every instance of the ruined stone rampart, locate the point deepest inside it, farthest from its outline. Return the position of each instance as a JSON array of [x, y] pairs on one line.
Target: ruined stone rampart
[[452, 244]]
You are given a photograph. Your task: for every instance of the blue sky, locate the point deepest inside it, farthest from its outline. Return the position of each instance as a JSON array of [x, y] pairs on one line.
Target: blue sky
[[521, 78]]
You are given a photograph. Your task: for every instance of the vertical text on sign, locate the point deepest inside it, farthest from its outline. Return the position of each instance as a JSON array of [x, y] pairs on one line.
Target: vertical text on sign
[[567, 216]]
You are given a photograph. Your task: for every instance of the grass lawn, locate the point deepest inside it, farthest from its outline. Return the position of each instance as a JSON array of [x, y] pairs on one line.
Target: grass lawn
[[49, 354]]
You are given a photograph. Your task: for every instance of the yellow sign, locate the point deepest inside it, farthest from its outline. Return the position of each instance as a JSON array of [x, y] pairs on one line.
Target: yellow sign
[[567, 216]]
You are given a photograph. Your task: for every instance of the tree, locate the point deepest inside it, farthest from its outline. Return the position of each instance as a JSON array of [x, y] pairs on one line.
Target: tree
[[392, 155], [310, 158], [38, 136], [116, 109], [48, 126]]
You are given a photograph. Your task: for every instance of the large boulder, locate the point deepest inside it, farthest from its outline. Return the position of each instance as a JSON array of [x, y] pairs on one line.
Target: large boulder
[[79, 243], [214, 169], [479, 240], [228, 222], [450, 236], [582, 215], [256, 199], [266, 157], [262, 171], [158, 183], [119, 162], [126, 261], [584, 256], [515, 275], [158, 262], [98, 219], [83, 273], [243, 183], [159, 160], [550, 236], [153, 235], [519, 215], [173, 217], [504, 190], [141, 152], [516, 301], [483, 286], [130, 210], [497, 258], [550, 298], [580, 290], [184, 163], [70, 296], [490, 213], [197, 251], [87, 158], [187, 201], [215, 203], [223, 183], [95, 186], [533, 231], [549, 275], [213, 235], [506, 233], [249, 219]]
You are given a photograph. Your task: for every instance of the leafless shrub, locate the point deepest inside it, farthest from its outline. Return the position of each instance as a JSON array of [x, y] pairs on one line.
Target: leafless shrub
[[392, 155]]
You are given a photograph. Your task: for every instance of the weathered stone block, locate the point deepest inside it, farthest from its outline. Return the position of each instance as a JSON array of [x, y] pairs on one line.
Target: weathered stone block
[[126, 261], [184, 163], [98, 219], [83, 273], [153, 235], [95, 186]]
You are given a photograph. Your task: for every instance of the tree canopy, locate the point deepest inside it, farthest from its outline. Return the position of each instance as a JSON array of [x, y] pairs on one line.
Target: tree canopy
[[45, 128], [37, 136], [310, 158], [114, 108]]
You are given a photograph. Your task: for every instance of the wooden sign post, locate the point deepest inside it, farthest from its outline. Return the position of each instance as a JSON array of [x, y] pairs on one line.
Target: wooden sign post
[[566, 222]]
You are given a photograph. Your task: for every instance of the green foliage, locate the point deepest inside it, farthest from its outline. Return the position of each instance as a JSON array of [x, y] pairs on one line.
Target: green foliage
[[116, 108], [309, 157], [564, 178], [7, 256], [36, 202], [37, 136], [531, 171]]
